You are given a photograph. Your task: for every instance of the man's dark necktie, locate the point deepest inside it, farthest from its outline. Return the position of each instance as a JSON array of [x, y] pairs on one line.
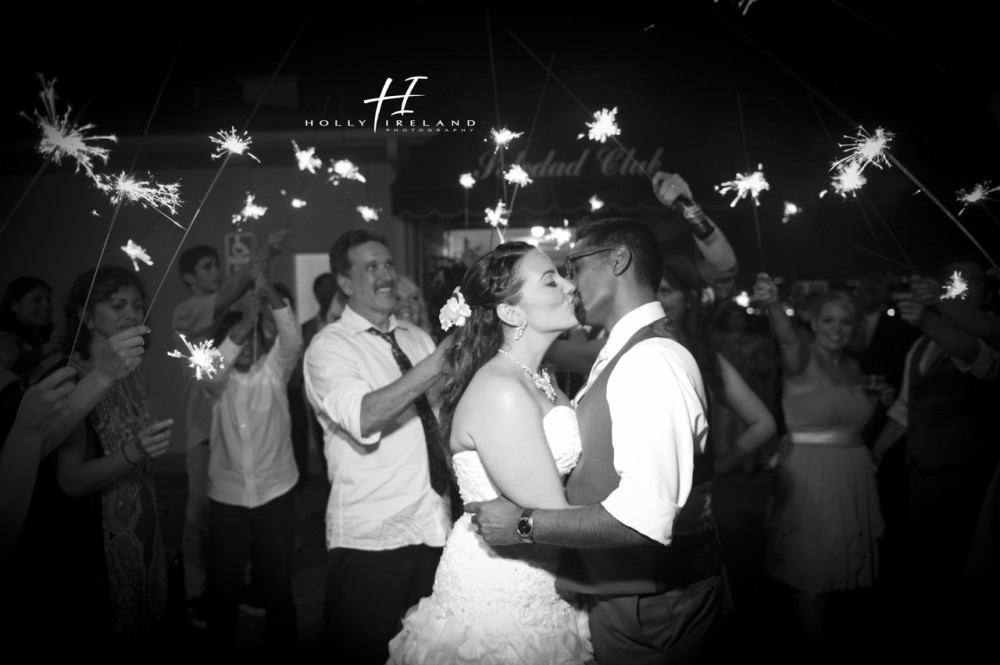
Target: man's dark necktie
[[440, 476]]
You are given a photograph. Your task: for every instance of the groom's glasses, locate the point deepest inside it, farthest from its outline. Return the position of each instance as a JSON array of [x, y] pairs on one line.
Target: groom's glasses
[[571, 260]]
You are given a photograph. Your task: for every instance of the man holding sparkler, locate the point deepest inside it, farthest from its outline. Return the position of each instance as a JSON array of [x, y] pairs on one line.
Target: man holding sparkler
[[210, 297]]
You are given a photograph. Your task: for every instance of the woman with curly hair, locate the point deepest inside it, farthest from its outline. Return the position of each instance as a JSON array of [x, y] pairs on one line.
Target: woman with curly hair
[[512, 433]]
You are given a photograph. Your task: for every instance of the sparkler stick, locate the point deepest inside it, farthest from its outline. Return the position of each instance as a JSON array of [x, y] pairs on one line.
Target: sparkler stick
[[746, 155], [945, 210], [885, 258], [843, 115], [534, 120], [24, 194]]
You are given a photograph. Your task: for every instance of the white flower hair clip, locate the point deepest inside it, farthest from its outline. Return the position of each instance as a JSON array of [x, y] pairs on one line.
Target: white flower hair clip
[[455, 311]]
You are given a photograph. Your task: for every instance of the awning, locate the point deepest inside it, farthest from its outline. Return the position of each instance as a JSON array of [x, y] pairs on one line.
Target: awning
[[567, 168]]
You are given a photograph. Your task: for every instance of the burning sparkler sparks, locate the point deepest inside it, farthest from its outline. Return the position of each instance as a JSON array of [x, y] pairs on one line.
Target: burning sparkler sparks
[[123, 187], [518, 176], [791, 209], [205, 358], [368, 213], [466, 180], [231, 143], [497, 217], [560, 235], [848, 180], [745, 184], [595, 203], [62, 138], [307, 159], [742, 299], [298, 203], [956, 287], [603, 126], [979, 194], [865, 149], [503, 137], [136, 254], [343, 169], [250, 211], [743, 4]]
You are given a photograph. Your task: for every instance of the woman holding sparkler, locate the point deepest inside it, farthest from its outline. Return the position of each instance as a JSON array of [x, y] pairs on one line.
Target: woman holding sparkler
[[825, 522], [110, 457]]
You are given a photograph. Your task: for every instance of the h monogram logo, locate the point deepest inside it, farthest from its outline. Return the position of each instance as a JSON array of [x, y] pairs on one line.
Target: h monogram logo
[[404, 97]]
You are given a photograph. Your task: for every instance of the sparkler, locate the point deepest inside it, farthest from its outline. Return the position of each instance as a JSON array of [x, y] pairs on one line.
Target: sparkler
[[343, 169], [865, 149], [368, 214], [955, 288], [307, 158], [250, 211], [298, 203], [503, 137], [497, 217], [979, 194], [205, 358], [791, 209], [595, 203], [742, 299], [848, 180], [745, 184], [136, 253], [603, 126], [560, 235], [62, 138], [518, 176], [742, 4], [466, 180], [230, 143], [124, 187]]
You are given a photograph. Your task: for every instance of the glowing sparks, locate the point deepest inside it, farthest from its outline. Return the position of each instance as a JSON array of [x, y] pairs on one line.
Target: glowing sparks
[[603, 126], [307, 159], [745, 184], [742, 299], [205, 358], [233, 144], [123, 187], [344, 169], [298, 203], [865, 149], [559, 235], [136, 254], [979, 194], [955, 288], [497, 217], [595, 203], [503, 138], [517, 175], [368, 214], [62, 138], [848, 180], [791, 209], [466, 180], [250, 211]]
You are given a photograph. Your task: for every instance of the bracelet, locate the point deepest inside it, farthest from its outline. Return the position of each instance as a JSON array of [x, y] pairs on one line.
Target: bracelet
[[702, 227], [125, 455]]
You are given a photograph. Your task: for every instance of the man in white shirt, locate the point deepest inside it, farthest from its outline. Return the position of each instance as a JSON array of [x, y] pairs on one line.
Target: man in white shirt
[[656, 595], [386, 524]]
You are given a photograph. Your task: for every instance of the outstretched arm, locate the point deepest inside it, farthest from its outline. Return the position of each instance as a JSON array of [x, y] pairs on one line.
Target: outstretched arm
[[794, 353]]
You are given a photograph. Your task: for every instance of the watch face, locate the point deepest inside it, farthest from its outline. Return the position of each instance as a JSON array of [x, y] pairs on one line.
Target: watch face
[[524, 526]]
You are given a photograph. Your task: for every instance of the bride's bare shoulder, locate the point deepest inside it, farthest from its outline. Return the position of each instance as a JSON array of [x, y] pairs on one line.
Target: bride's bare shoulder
[[494, 392]]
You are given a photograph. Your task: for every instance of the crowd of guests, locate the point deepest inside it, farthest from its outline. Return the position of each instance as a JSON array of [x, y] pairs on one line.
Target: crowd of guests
[[856, 459]]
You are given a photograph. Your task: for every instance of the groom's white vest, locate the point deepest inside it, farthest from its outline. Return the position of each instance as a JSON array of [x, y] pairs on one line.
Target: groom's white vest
[[653, 568]]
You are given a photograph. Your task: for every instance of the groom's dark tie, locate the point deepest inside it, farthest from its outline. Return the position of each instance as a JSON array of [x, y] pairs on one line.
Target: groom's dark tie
[[440, 476]]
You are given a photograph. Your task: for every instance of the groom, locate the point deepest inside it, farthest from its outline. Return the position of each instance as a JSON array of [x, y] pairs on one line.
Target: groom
[[655, 595]]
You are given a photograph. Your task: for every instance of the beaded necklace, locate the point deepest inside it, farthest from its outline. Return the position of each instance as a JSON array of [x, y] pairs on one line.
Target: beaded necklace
[[542, 381]]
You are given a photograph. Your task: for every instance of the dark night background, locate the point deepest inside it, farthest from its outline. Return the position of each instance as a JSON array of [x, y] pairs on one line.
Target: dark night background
[[779, 84]]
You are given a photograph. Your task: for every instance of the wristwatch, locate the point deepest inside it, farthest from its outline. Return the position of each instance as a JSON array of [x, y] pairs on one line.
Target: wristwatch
[[525, 525]]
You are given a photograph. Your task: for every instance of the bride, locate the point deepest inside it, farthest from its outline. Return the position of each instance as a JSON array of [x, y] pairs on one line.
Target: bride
[[512, 432]]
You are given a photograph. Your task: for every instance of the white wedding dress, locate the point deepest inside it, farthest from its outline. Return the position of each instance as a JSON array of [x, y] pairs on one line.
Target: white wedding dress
[[497, 606]]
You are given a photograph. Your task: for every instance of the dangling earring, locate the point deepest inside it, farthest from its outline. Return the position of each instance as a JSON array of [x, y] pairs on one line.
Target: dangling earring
[[90, 325], [519, 333]]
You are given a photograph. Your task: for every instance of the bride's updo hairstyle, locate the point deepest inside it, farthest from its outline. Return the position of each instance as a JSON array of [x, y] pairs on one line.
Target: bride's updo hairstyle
[[493, 279]]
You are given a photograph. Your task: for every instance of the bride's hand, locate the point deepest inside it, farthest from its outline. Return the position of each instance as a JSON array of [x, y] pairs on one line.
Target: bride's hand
[[495, 520]]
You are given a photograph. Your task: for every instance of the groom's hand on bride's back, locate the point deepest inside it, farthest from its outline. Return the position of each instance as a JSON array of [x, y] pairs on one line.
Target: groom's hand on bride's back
[[695, 515], [495, 520]]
